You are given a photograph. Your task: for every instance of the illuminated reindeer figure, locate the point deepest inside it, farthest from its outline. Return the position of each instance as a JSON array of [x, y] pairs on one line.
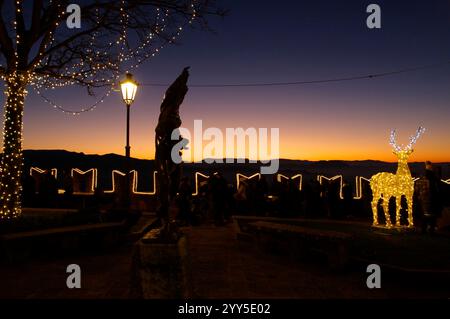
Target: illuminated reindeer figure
[[387, 185]]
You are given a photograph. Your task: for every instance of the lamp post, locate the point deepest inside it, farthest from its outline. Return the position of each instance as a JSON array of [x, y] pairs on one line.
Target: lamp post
[[129, 88]]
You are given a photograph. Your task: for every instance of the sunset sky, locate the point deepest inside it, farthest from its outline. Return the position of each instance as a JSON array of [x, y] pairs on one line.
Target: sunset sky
[[279, 41]]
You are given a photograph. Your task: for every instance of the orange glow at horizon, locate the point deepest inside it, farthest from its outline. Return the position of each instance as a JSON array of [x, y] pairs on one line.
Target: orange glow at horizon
[[300, 146], [311, 127]]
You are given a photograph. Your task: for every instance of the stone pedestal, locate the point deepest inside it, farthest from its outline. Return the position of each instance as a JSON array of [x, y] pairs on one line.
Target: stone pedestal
[[160, 269]]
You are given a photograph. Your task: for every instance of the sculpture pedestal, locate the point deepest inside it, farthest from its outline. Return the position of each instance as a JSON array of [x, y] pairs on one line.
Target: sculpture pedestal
[[160, 269]]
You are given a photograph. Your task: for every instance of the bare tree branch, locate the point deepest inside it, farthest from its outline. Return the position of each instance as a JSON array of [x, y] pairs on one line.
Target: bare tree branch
[[49, 49], [6, 42]]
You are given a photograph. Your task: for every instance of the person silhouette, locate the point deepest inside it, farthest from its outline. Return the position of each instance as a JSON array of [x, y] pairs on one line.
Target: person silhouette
[[429, 196]]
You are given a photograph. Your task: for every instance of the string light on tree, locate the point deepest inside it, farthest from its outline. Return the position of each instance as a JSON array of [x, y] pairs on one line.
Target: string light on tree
[[12, 159], [44, 55], [140, 54]]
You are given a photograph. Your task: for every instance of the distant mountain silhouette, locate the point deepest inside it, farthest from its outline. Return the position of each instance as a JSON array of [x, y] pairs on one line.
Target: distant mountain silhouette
[[64, 161]]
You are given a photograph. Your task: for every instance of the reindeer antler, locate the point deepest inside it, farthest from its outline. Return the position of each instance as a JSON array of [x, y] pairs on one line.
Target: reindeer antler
[[413, 139], [393, 142]]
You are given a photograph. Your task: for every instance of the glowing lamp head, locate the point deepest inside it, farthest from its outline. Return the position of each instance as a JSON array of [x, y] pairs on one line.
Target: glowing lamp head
[[129, 88]]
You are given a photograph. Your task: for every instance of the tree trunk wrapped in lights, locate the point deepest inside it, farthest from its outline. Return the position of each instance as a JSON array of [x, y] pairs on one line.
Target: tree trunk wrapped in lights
[[39, 50], [12, 158]]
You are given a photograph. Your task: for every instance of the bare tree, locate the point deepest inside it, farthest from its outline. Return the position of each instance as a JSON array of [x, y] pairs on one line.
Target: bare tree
[[38, 50]]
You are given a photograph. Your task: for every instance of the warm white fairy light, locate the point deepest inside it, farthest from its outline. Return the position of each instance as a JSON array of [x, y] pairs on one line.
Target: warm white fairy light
[[121, 174], [359, 185], [139, 54], [240, 177], [92, 172], [321, 178], [393, 143], [12, 159], [197, 182], [100, 67], [413, 139], [135, 184], [280, 177], [40, 171], [386, 185]]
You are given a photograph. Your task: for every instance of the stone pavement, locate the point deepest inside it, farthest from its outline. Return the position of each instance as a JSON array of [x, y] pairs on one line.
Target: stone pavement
[[102, 276], [222, 267]]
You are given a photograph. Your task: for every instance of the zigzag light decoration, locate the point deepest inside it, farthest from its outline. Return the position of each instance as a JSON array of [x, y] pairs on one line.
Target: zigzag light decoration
[[298, 176], [240, 176], [197, 182], [321, 178], [135, 184], [358, 182], [38, 170], [116, 172], [92, 171]]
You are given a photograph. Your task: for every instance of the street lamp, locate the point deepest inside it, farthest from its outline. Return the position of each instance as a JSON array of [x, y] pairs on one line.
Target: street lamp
[[129, 89]]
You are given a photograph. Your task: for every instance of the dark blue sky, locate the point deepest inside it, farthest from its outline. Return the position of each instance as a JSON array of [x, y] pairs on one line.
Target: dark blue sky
[[285, 40]]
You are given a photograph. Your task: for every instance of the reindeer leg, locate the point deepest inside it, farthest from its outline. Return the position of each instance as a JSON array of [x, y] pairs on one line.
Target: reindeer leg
[[375, 210], [398, 207], [386, 212], [410, 212]]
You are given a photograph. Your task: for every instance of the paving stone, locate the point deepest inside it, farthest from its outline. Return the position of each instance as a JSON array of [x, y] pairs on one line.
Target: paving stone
[[222, 267]]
